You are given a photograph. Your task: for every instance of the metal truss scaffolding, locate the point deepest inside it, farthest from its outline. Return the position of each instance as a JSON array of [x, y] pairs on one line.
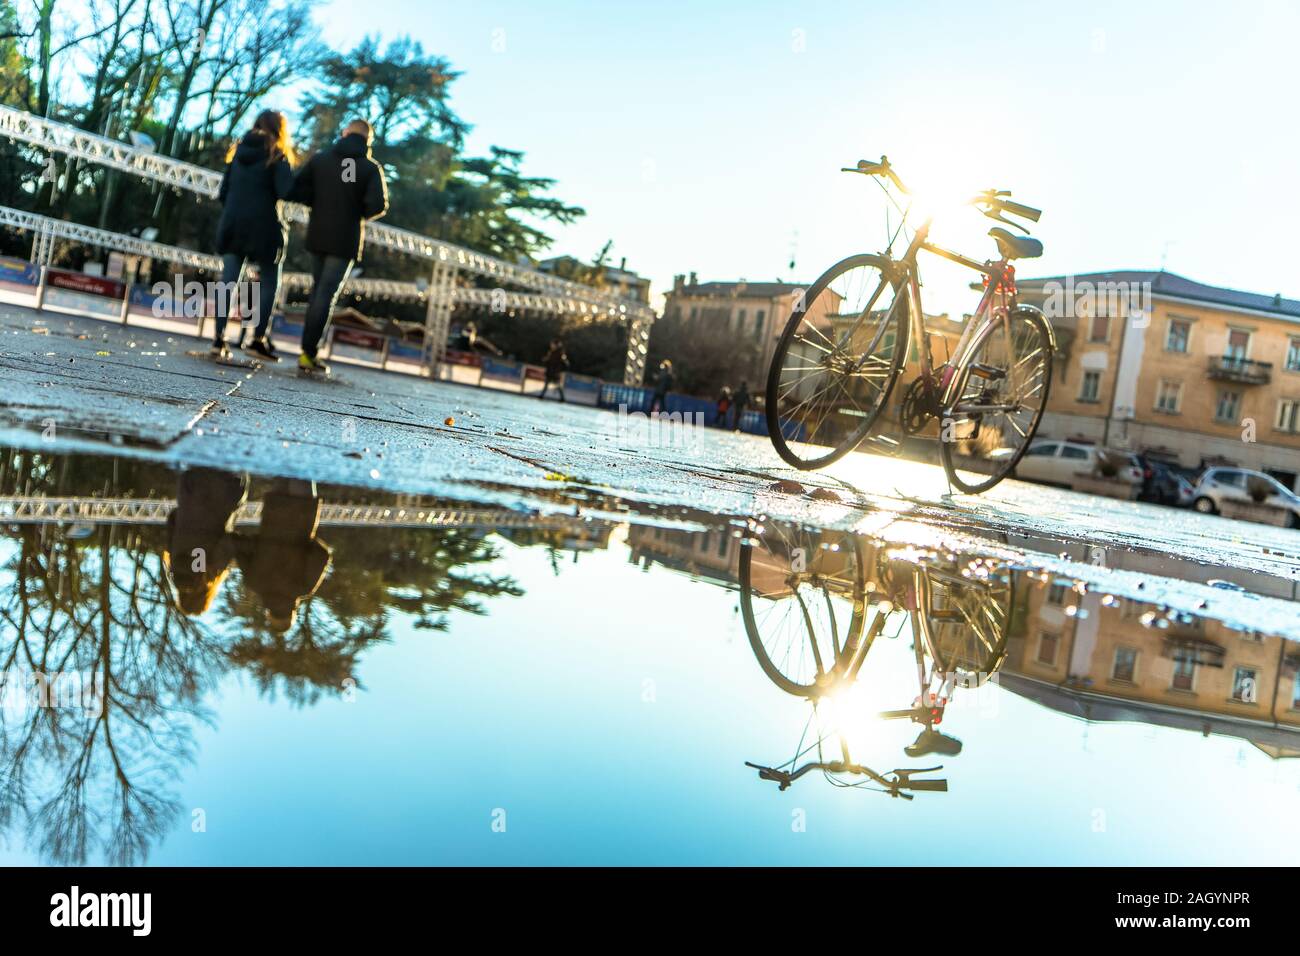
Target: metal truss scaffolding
[[542, 292]]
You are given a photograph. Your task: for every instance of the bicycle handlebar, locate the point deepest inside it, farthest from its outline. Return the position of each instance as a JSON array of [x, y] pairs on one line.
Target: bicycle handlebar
[[995, 200], [882, 168]]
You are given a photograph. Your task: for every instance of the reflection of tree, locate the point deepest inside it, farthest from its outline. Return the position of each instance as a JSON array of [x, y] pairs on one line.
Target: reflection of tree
[[100, 611], [408, 571], [82, 783]]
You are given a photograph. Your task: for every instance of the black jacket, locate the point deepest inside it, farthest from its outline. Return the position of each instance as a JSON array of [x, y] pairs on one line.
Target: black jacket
[[344, 187], [250, 224]]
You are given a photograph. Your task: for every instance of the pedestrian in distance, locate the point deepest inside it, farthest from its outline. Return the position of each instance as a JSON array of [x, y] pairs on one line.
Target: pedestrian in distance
[[345, 189], [556, 363], [663, 383], [739, 403], [724, 403], [258, 176]]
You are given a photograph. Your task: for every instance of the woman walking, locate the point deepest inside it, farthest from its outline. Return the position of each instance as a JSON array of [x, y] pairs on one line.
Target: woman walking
[[258, 175]]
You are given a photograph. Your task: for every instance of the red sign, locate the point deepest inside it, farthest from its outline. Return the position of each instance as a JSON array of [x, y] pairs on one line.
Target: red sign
[[367, 340], [80, 282]]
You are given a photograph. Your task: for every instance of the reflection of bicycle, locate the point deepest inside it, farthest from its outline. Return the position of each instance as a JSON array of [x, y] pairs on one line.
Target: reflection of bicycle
[[803, 600], [846, 341]]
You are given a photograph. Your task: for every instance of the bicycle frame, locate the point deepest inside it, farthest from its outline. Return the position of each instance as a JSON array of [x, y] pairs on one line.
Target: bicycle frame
[[1000, 275]]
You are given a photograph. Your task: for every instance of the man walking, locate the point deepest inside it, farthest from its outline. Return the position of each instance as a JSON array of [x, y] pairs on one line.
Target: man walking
[[739, 402], [345, 188], [556, 363]]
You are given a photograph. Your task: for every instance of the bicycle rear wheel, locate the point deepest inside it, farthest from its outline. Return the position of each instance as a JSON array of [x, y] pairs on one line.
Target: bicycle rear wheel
[[996, 400], [965, 625], [836, 362]]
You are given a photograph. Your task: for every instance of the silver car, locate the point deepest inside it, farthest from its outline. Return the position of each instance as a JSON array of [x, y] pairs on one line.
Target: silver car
[[1218, 485]]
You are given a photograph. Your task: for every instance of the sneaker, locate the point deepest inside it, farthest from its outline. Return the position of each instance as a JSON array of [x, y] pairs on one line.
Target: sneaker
[[262, 348], [219, 351], [307, 363]]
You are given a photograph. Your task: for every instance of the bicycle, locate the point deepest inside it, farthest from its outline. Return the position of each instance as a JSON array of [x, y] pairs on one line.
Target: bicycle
[[849, 335], [960, 625]]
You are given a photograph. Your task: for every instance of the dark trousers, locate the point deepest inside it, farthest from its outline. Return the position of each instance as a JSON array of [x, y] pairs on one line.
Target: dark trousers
[[328, 273], [546, 386], [737, 413], [232, 274]]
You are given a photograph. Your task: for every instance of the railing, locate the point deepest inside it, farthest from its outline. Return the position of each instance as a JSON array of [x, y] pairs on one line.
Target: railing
[[33, 509], [1233, 368]]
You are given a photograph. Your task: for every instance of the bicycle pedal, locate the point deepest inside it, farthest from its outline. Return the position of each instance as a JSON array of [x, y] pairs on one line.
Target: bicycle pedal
[[886, 445], [988, 371]]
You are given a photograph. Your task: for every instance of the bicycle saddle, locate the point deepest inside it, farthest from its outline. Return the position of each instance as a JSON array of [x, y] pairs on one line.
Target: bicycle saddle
[[1016, 247]]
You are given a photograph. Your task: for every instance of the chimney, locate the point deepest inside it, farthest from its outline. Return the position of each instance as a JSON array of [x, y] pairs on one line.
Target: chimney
[[695, 279], [622, 264], [679, 282]]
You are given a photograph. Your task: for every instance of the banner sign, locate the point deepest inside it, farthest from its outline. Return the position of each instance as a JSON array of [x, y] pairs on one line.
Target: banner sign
[[365, 340], [581, 389], [501, 369], [80, 282], [19, 270]]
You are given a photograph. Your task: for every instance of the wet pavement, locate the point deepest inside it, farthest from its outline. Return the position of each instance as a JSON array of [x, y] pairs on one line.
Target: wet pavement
[[382, 620]]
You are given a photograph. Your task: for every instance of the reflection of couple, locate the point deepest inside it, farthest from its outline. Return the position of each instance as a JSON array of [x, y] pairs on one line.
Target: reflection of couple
[[282, 563]]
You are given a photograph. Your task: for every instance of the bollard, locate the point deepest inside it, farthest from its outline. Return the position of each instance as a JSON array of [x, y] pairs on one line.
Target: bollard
[[126, 301], [40, 288]]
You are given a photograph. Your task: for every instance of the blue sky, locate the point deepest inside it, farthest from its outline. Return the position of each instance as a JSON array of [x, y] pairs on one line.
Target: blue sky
[[703, 136]]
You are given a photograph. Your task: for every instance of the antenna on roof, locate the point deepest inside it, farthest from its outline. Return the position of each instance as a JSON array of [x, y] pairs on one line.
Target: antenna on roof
[[1164, 253]]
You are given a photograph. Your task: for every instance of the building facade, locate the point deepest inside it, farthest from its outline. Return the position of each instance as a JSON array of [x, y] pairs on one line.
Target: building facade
[[1187, 372]]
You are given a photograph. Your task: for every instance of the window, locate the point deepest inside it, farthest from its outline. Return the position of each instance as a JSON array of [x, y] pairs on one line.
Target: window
[[1178, 335], [1243, 685], [723, 540], [1100, 329], [1288, 416], [1227, 407], [1238, 344], [1125, 667], [740, 321], [1056, 594], [1074, 451], [1184, 670], [1293, 354], [1091, 387], [1169, 396], [1046, 449], [1047, 647], [694, 312], [759, 316], [1295, 693]]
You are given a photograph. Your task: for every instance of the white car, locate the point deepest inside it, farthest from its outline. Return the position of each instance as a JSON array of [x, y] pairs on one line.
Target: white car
[[1218, 485], [1059, 462]]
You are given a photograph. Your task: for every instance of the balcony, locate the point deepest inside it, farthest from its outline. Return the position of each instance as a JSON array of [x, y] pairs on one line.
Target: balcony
[[1230, 368]]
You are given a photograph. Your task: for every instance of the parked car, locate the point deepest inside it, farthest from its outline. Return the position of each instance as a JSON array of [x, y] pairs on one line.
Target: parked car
[[1165, 485], [1219, 485], [1057, 462]]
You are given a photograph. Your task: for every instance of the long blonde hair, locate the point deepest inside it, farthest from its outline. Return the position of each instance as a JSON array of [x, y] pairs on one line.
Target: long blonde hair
[[272, 126]]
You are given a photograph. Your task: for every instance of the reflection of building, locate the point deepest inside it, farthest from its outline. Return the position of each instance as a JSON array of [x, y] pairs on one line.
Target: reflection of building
[[1177, 371], [712, 555], [1114, 663]]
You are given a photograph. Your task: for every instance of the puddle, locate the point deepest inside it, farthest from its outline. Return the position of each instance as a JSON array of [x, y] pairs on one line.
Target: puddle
[[206, 667]]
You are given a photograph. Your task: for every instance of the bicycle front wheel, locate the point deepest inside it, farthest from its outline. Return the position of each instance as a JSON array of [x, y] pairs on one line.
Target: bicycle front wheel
[[836, 362], [802, 601], [996, 399]]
